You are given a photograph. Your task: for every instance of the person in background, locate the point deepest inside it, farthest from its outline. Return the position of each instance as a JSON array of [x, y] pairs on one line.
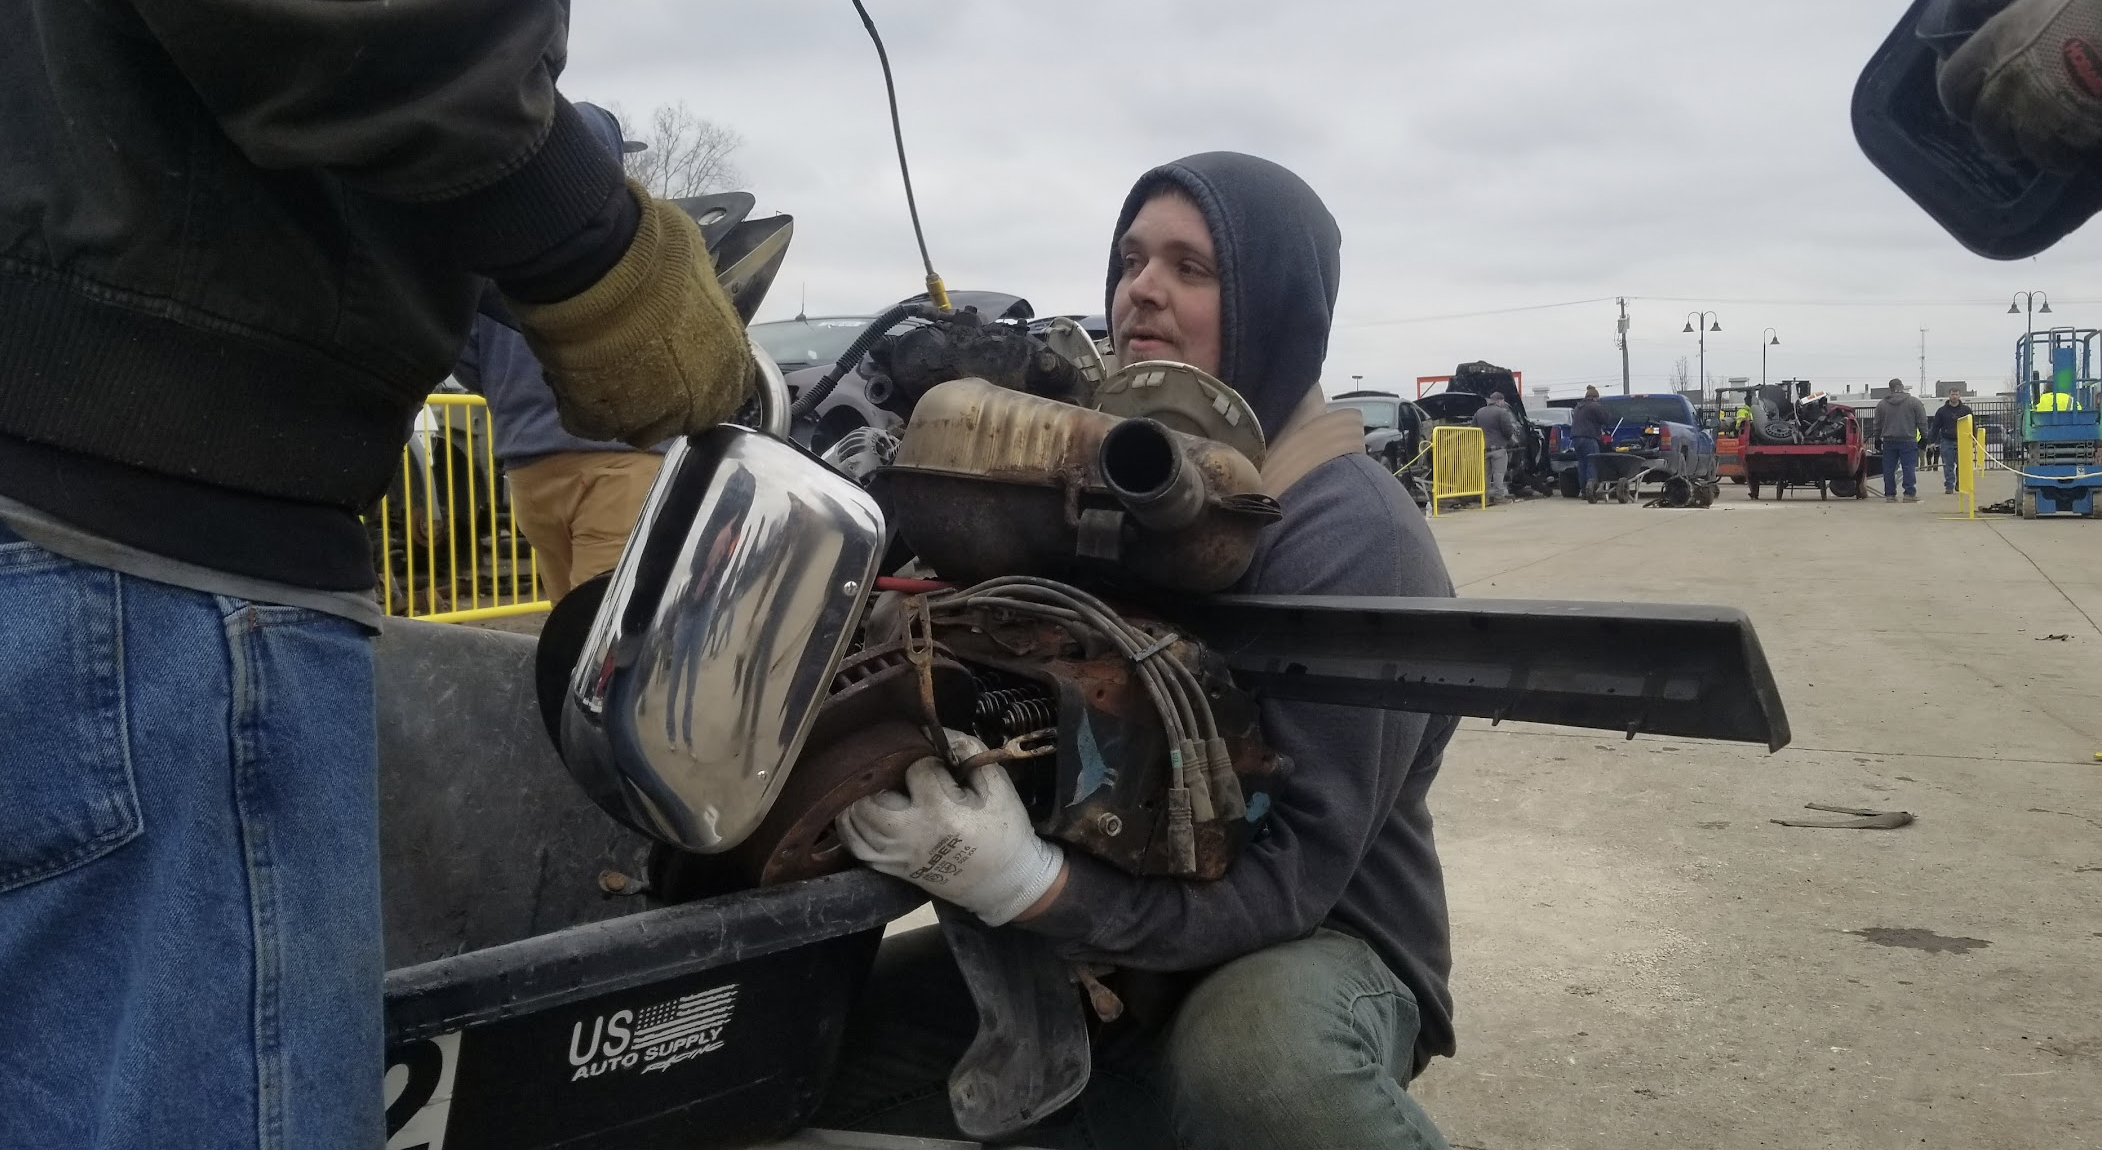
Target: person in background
[[1499, 433], [2051, 397], [1587, 426], [1944, 423], [575, 499], [1900, 421]]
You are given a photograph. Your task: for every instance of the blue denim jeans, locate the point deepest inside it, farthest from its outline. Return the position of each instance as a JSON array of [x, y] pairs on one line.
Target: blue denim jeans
[[189, 870], [1587, 471], [1948, 465], [1305, 1044], [1896, 453]]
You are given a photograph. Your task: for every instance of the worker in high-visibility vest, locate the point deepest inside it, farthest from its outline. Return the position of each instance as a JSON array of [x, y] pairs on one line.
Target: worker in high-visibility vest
[[2056, 393]]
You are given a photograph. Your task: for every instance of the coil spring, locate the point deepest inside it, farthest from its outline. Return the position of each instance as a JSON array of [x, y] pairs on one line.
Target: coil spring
[[993, 703], [1025, 715]]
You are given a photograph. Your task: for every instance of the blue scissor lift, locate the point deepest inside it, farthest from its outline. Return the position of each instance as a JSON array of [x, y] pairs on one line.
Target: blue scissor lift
[[2061, 468]]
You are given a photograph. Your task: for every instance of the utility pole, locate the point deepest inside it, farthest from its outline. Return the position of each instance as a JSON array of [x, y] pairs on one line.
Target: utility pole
[[1624, 345], [1923, 363]]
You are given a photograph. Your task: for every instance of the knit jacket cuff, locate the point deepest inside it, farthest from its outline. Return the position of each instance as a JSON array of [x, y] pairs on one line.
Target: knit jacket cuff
[[552, 227]]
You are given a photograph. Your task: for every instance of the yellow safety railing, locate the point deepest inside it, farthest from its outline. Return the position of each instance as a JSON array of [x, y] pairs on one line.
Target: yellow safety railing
[[1459, 465], [1970, 465], [448, 552]]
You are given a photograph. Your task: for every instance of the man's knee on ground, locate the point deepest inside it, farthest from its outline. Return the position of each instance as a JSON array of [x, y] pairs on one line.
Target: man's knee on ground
[[1283, 1026]]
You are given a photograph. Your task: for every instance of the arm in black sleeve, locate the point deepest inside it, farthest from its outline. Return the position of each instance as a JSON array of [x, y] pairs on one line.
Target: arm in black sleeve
[[468, 368], [448, 106], [1342, 534]]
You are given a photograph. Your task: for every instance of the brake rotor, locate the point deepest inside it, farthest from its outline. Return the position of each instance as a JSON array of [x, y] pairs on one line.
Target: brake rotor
[[797, 840], [871, 728]]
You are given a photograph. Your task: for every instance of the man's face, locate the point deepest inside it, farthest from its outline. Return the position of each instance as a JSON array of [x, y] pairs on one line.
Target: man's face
[[1167, 300]]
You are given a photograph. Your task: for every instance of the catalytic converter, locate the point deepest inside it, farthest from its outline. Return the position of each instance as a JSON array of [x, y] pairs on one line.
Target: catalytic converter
[[991, 482]]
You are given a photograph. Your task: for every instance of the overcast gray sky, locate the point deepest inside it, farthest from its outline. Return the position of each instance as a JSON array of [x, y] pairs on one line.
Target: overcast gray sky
[[1491, 155]]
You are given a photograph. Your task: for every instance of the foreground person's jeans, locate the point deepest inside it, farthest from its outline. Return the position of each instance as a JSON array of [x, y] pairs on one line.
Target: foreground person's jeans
[[1900, 453], [1303, 1045], [189, 874]]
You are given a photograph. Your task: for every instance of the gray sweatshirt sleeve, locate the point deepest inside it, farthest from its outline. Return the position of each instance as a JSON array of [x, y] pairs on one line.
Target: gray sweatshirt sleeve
[[1347, 530]]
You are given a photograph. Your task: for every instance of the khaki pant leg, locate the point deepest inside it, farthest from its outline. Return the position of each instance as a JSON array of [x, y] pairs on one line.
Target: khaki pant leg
[[614, 488], [544, 498]]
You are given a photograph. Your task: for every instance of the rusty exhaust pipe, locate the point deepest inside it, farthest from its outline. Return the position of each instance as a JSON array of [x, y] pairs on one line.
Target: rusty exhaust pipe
[[1145, 468]]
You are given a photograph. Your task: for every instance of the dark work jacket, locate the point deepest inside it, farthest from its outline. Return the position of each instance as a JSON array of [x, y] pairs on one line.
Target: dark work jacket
[[236, 245], [1349, 842], [1590, 420], [1943, 423]]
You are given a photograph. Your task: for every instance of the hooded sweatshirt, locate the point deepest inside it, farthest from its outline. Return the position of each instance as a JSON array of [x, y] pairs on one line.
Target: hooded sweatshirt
[[1348, 844], [1900, 416]]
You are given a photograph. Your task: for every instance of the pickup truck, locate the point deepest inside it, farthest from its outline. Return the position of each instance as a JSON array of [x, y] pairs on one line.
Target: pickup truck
[[1663, 429]]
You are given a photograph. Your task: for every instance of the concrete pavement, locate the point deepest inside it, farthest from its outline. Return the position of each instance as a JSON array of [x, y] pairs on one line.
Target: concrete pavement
[[1643, 959]]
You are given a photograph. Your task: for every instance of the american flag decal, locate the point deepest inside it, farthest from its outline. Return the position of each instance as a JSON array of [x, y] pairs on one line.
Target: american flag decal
[[685, 1017]]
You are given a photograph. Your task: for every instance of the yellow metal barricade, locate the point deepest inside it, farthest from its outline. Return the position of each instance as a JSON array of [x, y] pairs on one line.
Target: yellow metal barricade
[[445, 544], [1970, 466], [1459, 465]]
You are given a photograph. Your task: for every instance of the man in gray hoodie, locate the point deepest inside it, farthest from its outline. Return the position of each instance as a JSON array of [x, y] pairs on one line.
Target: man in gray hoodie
[[1900, 420], [1499, 434], [1307, 987]]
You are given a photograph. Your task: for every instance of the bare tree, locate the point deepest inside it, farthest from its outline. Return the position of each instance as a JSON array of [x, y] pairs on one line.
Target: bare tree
[[686, 155], [1681, 375]]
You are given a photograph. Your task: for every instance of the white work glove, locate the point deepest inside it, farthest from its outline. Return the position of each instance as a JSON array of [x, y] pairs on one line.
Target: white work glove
[[972, 846], [2028, 82]]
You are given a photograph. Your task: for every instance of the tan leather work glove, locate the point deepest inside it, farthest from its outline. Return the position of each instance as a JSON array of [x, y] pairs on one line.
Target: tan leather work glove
[[653, 349]]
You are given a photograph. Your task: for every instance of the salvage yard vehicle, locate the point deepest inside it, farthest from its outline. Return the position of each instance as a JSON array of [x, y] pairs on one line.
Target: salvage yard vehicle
[[1394, 434], [2061, 439], [1467, 391], [1800, 438], [1656, 439]]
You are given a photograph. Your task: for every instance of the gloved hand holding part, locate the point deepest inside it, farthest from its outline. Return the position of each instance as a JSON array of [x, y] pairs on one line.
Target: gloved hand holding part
[[969, 845], [654, 348], [2028, 81]]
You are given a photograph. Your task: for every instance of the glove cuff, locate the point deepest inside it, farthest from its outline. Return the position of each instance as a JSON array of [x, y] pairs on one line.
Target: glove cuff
[[1027, 877]]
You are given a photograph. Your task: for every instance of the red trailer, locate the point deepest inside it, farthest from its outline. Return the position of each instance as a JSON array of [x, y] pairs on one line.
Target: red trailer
[[1807, 442]]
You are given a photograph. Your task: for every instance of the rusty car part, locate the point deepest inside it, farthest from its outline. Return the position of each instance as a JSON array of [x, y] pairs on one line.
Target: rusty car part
[[797, 841], [966, 345], [1160, 767], [990, 482], [855, 749], [1185, 399], [1033, 745]]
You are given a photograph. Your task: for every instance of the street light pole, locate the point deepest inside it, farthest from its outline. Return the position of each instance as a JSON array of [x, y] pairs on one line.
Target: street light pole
[[1768, 338], [1703, 322], [2025, 301]]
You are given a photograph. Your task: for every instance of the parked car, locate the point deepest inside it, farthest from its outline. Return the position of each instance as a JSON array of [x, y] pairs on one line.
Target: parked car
[[1394, 429], [1531, 470], [806, 347], [1664, 429]]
